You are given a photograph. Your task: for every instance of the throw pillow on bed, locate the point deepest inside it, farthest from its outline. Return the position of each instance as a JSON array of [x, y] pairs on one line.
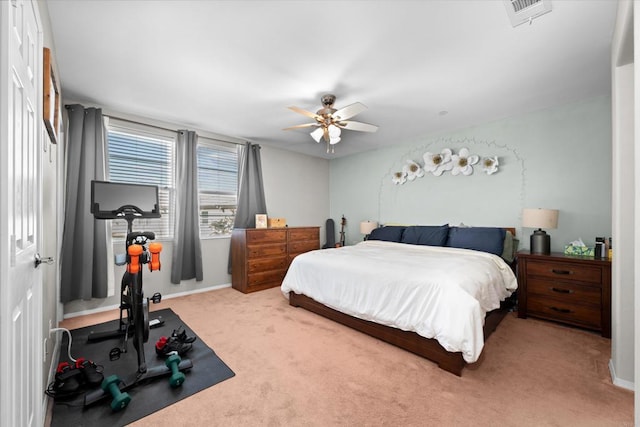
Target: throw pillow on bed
[[389, 233], [428, 235], [485, 239]]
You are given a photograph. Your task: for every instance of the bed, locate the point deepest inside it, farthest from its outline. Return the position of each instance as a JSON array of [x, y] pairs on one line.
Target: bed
[[437, 291]]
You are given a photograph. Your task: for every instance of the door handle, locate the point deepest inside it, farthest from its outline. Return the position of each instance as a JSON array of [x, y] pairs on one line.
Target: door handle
[[39, 260]]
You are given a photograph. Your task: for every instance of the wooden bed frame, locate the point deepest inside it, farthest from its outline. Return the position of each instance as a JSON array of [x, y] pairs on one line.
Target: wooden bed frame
[[428, 348]]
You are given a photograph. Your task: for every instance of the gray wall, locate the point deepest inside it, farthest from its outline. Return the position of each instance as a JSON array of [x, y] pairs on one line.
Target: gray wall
[[556, 158], [296, 188]]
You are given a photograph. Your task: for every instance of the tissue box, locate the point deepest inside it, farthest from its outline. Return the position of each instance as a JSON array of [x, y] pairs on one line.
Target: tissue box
[[276, 222], [578, 250]]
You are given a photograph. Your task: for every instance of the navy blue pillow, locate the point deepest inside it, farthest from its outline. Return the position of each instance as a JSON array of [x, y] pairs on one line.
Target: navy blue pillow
[[485, 239], [390, 233], [429, 235]]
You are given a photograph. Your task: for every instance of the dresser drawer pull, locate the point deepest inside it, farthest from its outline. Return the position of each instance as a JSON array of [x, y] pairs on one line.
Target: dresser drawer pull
[[561, 291], [561, 271], [560, 310]]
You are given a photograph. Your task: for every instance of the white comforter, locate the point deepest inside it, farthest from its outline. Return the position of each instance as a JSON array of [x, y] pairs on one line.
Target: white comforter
[[437, 292]]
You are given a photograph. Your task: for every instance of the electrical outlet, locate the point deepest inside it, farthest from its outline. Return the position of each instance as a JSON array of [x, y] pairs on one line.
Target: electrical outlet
[[45, 352]]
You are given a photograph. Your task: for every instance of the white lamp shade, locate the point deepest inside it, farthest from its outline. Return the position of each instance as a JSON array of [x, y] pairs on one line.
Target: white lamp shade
[[540, 218], [366, 227], [317, 134]]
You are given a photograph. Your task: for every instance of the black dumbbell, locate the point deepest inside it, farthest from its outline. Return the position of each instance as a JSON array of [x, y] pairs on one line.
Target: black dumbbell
[[120, 399], [177, 377]]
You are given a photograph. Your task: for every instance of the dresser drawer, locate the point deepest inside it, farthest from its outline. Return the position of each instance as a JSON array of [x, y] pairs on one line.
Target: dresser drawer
[[303, 234], [266, 236], [565, 271], [304, 246], [561, 310], [261, 251], [266, 264], [275, 276], [565, 291]]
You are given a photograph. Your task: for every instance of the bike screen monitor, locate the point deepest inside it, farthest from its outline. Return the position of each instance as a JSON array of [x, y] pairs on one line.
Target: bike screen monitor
[[111, 200]]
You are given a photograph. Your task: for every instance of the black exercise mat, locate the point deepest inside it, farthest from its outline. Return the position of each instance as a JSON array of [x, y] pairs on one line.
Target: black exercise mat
[[146, 397]]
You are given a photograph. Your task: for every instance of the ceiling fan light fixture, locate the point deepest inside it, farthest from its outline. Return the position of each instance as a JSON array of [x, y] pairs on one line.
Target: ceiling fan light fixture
[[330, 121], [317, 134]]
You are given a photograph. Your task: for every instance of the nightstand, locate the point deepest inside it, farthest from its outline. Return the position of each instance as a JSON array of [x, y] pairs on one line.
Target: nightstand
[[570, 289]]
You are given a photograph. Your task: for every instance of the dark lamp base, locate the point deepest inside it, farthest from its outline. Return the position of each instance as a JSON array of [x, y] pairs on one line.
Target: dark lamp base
[[540, 243]]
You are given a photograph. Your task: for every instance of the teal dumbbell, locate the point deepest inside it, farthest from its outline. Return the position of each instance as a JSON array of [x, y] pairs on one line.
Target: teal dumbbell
[[177, 377], [120, 399]]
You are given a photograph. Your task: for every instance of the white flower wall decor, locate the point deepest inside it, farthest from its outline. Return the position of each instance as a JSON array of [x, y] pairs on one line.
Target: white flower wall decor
[[438, 163], [463, 162], [490, 165], [399, 177], [412, 170]]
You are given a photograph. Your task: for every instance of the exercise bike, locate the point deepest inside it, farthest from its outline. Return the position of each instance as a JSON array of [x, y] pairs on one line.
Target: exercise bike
[[140, 250]]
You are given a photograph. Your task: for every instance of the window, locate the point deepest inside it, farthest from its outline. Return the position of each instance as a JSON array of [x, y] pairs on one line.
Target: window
[[143, 156], [217, 185]]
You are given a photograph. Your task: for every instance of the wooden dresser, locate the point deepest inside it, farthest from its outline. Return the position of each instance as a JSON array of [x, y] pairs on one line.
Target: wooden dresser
[[570, 289], [260, 256]]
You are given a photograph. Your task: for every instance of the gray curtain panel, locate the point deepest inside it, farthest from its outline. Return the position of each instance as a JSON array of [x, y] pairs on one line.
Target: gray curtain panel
[[251, 200], [186, 262], [84, 239]]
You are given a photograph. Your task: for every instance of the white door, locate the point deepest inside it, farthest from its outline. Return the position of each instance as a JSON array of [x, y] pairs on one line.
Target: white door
[[21, 134]]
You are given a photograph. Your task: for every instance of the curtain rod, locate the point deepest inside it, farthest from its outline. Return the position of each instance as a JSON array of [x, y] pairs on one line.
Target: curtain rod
[[166, 128]]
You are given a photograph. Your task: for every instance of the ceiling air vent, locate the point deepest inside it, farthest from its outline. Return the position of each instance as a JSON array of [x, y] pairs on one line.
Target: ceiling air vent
[[521, 11]]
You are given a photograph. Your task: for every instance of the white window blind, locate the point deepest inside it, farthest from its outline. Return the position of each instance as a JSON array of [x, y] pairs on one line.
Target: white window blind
[[217, 186], [143, 155]]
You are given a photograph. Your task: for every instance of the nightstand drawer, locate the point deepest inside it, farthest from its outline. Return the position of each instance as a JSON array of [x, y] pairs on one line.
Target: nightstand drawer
[[565, 291], [581, 315], [565, 271]]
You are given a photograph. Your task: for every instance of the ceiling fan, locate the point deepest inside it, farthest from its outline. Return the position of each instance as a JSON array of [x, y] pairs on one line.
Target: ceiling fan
[[330, 121]]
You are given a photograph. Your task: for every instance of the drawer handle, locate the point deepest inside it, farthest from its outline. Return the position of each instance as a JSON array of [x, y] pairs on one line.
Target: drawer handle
[[561, 271], [561, 291], [560, 310]]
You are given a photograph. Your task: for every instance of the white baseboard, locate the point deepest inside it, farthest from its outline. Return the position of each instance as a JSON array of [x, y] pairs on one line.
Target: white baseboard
[[174, 295], [617, 381]]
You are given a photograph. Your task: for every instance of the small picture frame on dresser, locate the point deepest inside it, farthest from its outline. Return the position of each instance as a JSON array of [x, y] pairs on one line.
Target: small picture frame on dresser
[[261, 221]]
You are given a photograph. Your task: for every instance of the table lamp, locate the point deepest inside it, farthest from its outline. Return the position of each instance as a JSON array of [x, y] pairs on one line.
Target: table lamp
[[540, 242], [366, 227]]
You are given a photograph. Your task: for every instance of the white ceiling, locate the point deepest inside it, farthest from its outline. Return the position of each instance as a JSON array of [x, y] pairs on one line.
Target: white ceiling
[[232, 67]]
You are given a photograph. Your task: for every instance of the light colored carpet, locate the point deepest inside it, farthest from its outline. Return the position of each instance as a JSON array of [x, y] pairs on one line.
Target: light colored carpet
[[295, 368]]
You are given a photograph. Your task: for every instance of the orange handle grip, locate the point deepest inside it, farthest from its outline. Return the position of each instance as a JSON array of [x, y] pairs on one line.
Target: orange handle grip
[[155, 248], [134, 252]]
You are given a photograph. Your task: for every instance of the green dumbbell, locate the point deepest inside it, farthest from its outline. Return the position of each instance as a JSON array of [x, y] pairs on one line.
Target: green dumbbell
[[120, 399], [177, 377]]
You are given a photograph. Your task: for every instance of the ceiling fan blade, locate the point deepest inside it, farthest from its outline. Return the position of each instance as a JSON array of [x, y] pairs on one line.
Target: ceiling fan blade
[[349, 111], [306, 113], [359, 126], [306, 125]]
